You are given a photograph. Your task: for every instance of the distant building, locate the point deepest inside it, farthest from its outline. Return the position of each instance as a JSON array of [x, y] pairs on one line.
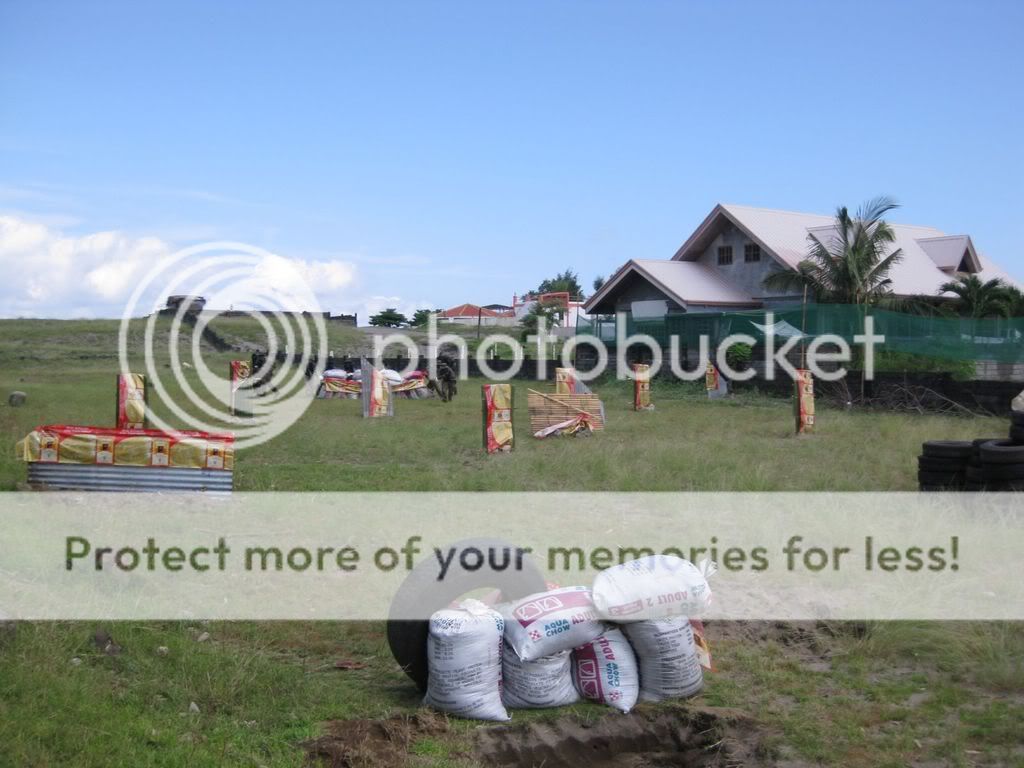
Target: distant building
[[471, 314], [572, 309], [197, 304], [723, 264], [501, 309], [192, 303]]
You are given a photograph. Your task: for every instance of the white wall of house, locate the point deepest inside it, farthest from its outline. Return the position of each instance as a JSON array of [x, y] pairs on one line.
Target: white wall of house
[[483, 320]]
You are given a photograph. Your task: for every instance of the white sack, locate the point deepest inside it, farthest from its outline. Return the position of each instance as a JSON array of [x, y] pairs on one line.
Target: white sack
[[393, 376], [464, 662], [667, 657], [1018, 403], [605, 670], [536, 684], [652, 588], [546, 623]]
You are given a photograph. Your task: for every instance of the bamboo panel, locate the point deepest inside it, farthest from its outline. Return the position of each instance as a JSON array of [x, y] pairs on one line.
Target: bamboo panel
[[545, 411]]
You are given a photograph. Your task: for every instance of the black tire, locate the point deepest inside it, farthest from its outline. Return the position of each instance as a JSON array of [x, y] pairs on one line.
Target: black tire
[[1014, 486], [423, 592], [976, 475], [941, 478], [1002, 452], [1017, 435], [947, 449], [1003, 472], [931, 464], [935, 488], [980, 442]]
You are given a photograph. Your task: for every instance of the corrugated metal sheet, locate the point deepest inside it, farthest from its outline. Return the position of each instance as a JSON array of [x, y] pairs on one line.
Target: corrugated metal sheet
[[92, 477]]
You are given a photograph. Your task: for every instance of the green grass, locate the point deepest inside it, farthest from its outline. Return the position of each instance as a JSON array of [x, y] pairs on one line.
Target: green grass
[[885, 694]]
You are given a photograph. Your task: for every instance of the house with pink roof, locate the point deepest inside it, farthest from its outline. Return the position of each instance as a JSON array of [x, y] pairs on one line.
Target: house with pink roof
[[722, 265]]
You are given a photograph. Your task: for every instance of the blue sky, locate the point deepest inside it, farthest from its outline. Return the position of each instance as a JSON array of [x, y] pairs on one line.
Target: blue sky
[[450, 152]]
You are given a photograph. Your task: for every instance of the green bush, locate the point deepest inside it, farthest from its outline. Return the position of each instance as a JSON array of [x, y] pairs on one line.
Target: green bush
[[888, 361], [738, 356]]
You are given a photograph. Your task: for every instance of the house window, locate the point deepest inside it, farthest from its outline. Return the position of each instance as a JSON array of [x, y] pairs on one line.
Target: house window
[[751, 252], [724, 255]]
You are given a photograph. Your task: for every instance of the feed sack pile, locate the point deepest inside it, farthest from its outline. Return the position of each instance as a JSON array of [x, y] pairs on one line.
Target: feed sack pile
[[338, 383], [627, 638]]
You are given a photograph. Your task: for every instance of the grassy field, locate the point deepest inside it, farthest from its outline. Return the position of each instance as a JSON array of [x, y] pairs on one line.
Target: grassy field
[[874, 695]]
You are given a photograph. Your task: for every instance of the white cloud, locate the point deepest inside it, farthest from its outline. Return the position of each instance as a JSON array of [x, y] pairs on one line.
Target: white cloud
[[49, 274]]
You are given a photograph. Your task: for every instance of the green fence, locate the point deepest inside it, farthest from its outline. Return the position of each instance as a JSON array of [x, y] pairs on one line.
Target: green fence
[[951, 338]]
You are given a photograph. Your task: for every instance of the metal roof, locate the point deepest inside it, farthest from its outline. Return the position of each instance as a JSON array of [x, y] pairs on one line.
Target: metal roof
[[685, 282], [947, 252], [991, 271], [926, 251]]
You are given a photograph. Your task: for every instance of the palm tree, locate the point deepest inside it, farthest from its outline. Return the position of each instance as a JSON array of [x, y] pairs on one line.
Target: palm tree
[[1014, 301], [852, 265], [976, 298]]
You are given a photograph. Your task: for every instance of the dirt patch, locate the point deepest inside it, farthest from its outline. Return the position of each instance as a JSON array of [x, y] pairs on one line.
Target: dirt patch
[[363, 743], [809, 643], [697, 738]]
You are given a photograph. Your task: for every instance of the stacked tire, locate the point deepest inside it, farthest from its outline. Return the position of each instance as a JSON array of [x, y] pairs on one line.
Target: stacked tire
[[943, 465], [977, 478], [1002, 465], [1017, 427]]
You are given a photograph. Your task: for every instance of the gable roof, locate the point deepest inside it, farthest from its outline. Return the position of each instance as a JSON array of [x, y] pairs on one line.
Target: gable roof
[[685, 282], [468, 310], [928, 253], [949, 251]]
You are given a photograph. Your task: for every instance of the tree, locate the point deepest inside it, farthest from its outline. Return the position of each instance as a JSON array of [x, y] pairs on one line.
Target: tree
[[421, 317], [549, 311], [563, 282], [849, 266], [1014, 301], [979, 299], [598, 282], [852, 265], [389, 318]]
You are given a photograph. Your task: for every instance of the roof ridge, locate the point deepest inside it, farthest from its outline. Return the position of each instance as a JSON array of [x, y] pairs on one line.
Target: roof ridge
[[821, 215], [776, 210]]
